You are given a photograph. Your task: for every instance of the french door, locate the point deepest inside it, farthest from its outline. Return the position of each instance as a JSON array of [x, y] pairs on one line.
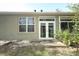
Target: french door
[[46, 29]]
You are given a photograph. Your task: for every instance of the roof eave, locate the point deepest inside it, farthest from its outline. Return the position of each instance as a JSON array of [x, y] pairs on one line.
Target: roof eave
[[39, 13]]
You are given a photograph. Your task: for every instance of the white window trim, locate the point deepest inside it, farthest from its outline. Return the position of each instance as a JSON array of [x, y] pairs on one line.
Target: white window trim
[[47, 28], [47, 17], [26, 24], [47, 36]]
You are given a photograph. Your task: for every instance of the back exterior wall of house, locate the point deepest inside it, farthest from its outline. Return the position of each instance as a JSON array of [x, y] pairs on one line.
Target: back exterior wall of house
[[9, 28]]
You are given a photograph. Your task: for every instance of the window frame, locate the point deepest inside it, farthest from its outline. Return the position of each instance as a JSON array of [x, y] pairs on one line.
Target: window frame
[[67, 23], [26, 24]]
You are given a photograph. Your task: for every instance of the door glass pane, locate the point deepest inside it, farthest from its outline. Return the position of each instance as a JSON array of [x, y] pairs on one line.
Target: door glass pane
[[51, 30], [43, 29]]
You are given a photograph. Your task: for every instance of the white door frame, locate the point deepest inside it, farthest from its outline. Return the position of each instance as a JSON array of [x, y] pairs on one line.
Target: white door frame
[[46, 22]]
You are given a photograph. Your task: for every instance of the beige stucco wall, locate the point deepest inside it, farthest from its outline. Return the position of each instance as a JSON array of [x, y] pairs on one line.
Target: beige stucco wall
[[9, 28]]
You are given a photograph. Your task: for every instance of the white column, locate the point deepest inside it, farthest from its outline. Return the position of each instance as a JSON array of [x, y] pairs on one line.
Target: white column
[[59, 23]]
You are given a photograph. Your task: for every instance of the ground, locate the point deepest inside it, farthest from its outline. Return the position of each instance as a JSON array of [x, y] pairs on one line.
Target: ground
[[26, 48]]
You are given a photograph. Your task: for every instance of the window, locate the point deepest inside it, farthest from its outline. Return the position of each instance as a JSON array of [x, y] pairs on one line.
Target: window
[[67, 24], [46, 19], [26, 24]]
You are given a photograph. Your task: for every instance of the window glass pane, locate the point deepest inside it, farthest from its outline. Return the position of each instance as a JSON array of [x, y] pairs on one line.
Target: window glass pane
[[22, 20], [42, 19], [26, 21], [71, 24], [46, 19], [67, 26], [30, 20], [64, 25], [30, 28], [49, 19], [66, 19], [22, 28]]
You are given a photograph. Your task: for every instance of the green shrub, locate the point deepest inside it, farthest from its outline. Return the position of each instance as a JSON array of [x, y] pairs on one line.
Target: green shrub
[[68, 38], [64, 36]]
